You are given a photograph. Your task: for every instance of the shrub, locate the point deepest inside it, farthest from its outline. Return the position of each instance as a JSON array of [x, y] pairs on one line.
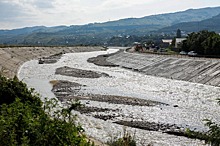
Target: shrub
[[10, 89], [126, 140], [24, 121]]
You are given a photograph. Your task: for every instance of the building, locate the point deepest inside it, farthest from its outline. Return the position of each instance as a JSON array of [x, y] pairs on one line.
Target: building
[[166, 43], [179, 41]]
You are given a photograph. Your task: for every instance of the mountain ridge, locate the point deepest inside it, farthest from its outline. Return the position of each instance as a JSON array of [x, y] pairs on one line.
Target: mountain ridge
[[211, 24], [94, 33]]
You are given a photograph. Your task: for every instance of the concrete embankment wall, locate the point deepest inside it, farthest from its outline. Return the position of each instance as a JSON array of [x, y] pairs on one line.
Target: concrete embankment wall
[[192, 69], [12, 58]]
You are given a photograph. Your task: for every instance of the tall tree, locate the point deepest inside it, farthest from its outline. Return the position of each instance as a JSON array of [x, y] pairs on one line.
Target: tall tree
[[178, 33]]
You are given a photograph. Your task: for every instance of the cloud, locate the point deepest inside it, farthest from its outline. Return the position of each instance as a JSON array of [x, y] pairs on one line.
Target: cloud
[[43, 4], [21, 13], [9, 11]]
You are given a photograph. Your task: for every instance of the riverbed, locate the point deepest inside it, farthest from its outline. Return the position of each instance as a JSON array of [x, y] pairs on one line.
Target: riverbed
[[185, 104]]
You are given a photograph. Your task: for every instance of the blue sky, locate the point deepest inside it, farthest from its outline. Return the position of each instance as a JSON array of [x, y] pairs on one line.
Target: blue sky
[[24, 13]]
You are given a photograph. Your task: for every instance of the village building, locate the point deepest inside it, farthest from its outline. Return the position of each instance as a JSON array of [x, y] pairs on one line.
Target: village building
[[179, 41], [166, 43]]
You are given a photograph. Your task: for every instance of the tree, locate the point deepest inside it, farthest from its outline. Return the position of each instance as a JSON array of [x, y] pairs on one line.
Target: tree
[[203, 42], [173, 42], [10, 89], [178, 33]]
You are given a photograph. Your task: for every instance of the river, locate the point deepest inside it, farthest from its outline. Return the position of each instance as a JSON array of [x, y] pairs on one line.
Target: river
[[189, 103]]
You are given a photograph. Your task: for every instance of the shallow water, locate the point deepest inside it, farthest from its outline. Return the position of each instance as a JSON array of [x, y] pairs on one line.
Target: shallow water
[[195, 101]]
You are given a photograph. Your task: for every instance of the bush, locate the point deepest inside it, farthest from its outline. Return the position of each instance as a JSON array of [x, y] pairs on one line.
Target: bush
[[214, 132], [10, 89], [126, 140], [24, 121]]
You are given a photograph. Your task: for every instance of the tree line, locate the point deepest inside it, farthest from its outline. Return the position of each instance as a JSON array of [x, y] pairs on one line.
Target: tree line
[[204, 43]]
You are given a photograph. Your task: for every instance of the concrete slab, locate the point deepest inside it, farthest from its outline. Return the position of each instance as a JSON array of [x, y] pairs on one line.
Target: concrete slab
[[199, 70]]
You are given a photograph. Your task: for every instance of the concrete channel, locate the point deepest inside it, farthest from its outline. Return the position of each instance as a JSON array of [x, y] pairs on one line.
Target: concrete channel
[[197, 70], [192, 69], [11, 58]]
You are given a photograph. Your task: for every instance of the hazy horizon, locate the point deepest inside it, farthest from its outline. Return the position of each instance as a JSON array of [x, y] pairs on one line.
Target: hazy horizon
[[27, 13]]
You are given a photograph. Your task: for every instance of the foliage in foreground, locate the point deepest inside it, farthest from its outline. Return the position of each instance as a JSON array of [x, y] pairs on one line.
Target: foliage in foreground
[[126, 140], [24, 121], [10, 89], [214, 131]]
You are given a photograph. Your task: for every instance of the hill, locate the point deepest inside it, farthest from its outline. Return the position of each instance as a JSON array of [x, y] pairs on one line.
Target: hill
[[211, 24], [99, 33]]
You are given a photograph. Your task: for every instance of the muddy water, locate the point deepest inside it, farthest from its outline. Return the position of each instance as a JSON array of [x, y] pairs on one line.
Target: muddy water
[[189, 103]]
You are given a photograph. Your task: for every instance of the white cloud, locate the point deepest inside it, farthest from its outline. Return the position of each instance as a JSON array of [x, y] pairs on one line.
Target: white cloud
[[21, 13]]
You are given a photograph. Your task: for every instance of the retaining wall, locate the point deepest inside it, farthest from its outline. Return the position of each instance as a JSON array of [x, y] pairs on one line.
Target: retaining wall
[[192, 69], [12, 58]]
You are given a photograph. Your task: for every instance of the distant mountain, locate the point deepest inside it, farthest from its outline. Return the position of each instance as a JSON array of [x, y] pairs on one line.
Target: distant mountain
[[141, 26], [28, 30], [97, 33], [211, 24], [166, 19]]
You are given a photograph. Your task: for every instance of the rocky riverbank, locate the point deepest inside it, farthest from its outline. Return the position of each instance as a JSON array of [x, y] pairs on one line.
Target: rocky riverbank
[[65, 91], [111, 102]]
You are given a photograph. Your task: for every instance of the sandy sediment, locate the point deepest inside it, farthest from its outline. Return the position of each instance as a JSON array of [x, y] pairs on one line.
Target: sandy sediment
[[50, 59], [150, 126], [101, 60], [79, 73], [66, 90]]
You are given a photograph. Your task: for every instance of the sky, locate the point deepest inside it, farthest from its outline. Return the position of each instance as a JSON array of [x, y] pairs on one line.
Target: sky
[[26, 13]]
